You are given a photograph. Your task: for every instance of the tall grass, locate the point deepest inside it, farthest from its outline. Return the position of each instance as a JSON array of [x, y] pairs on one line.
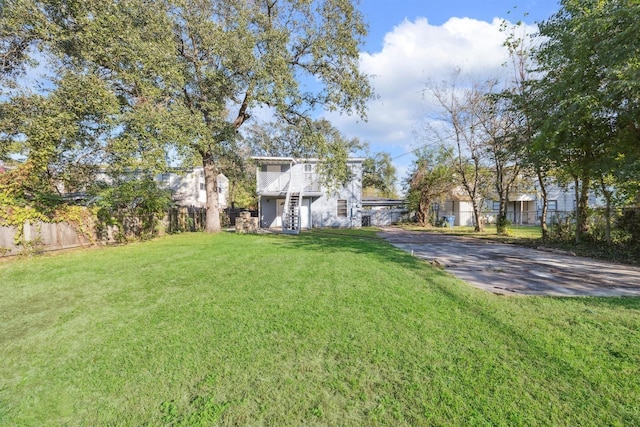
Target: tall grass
[[318, 329]]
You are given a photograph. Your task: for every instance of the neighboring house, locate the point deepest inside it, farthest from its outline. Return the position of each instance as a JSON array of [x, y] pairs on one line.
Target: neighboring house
[[187, 188], [522, 208], [457, 204], [291, 195], [381, 211]]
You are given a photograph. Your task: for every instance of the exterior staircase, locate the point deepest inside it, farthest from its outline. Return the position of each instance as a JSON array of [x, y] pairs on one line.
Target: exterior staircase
[[291, 220]]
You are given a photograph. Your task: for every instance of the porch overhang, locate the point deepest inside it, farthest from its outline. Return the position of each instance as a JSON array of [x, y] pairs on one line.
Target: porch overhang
[[267, 160]]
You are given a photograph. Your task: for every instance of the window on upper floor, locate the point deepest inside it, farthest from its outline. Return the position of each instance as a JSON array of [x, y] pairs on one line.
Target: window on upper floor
[[342, 208], [552, 205], [308, 168], [496, 205], [202, 186]]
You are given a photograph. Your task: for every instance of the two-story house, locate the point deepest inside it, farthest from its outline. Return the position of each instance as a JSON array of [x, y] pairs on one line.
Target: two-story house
[[187, 188], [291, 195]]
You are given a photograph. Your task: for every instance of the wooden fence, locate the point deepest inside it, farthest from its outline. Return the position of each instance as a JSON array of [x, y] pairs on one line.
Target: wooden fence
[[42, 236], [180, 219]]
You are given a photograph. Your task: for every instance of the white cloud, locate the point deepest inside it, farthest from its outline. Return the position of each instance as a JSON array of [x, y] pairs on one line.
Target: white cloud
[[414, 54]]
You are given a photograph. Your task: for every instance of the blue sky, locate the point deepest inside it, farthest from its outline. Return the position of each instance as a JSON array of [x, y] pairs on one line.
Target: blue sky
[[413, 42]]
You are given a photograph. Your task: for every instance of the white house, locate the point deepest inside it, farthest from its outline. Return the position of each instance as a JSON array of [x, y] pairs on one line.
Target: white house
[[522, 208], [187, 188], [382, 211], [291, 195]]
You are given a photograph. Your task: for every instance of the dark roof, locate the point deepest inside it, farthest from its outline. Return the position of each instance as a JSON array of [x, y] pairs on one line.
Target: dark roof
[[381, 201]]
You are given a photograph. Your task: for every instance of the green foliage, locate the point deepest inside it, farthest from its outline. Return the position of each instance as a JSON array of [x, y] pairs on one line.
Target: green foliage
[[184, 76], [431, 178], [587, 99], [379, 173], [133, 204], [16, 213]]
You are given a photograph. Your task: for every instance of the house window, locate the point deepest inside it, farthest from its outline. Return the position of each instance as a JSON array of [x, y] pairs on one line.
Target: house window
[[496, 205], [202, 186], [165, 177], [552, 205], [308, 168], [342, 208]]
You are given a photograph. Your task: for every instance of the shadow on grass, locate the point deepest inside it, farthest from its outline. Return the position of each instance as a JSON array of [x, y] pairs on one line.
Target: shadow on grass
[[363, 242]]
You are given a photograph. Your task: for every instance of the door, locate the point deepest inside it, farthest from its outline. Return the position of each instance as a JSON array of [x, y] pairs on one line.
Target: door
[[279, 211], [305, 221]]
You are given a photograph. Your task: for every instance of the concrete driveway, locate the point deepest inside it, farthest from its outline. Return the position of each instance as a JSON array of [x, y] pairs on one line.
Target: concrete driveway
[[511, 269]]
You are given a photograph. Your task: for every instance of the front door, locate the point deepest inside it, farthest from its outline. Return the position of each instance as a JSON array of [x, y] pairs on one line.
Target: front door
[[279, 211], [304, 213]]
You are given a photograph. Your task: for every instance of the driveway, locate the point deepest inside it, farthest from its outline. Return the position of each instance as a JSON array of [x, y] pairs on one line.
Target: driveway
[[511, 269]]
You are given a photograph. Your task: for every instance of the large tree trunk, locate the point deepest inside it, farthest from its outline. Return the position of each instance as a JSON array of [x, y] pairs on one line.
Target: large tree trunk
[[545, 206], [608, 195], [582, 208], [211, 187], [477, 216], [423, 212], [501, 221]]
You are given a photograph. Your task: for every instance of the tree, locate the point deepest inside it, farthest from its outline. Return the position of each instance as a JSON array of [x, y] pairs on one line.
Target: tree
[[461, 112], [379, 175], [503, 148], [188, 73], [431, 177], [18, 31], [59, 135], [589, 94]]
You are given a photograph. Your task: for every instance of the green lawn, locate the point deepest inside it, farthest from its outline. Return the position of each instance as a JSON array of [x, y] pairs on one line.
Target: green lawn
[[515, 233], [324, 329]]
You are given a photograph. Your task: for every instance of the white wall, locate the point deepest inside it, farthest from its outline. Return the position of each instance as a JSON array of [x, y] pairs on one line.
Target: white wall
[[323, 206], [188, 188]]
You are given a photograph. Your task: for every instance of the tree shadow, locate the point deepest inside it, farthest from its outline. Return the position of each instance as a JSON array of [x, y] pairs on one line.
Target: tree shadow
[[362, 242]]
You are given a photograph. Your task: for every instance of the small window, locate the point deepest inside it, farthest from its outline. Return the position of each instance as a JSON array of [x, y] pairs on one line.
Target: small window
[[202, 186], [308, 168], [496, 205], [342, 208], [552, 205]]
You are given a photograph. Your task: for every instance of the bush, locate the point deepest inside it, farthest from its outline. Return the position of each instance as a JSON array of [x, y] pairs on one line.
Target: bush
[[629, 223], [135, 206]]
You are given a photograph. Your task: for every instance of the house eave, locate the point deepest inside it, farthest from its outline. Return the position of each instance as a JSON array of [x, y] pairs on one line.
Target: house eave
[[270, 160]]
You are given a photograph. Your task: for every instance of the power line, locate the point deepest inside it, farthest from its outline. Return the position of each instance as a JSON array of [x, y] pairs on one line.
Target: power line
[[440, 141]]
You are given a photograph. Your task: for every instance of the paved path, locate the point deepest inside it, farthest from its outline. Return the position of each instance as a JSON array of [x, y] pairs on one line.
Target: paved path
[[509, 269]]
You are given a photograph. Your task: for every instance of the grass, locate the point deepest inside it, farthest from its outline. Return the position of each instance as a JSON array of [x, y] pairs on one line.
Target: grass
[[523, 232], [319, 329]]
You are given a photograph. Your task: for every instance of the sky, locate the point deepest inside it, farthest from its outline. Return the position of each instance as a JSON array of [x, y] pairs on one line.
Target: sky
[[415, 42]]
